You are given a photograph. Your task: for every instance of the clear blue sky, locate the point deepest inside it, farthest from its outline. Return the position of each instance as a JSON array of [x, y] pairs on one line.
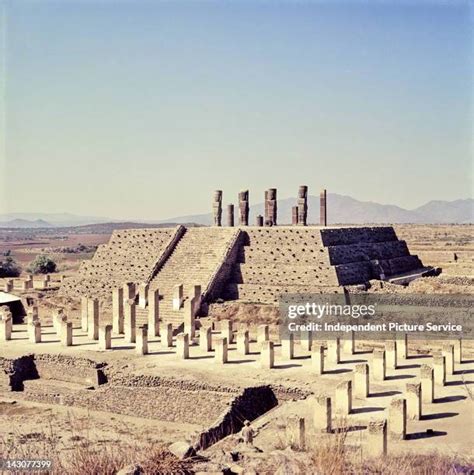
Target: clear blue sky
[[142, 108]]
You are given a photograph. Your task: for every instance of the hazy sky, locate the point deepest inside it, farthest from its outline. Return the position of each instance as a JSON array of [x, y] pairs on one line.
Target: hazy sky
[[142, 108]]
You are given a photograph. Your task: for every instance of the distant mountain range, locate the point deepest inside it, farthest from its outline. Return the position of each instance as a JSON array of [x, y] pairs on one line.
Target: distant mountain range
[[341, 210]]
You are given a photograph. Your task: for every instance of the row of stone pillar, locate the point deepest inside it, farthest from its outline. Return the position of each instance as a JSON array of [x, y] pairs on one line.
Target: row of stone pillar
[[299, 213]]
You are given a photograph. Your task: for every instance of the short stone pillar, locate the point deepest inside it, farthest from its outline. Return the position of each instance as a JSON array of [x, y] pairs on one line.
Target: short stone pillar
[[105, 337], [65, 334], [377, 439], [141, 347], [205, 338], [427, 383], [323, 213], [117, 310], [302, 205], [166, 331], [34, 331], [226, 330], [448, 353], [344, 398], [317, 358], [379, 367], [322, 420], [391, 354], [58, 318], [189, 320], [32, 314], [182, 346], [288, 346], [84, 316], [334, 350], [130, 321], [143, 295], [294, 215], [439, 366], [296, 432], [129, 291], [221, 350], [361, 380], [413, 397], [153, 313], [8, 285], [230, 215], [397, 419], [244, 208], [402, 345], [306, 340], [349, 343], [271, 207], [458, 350], [93, 319], [195, 296], [243, 342], [267, 355], [263, 333], [217, 208], [178, 297], [259, 220], [6, 323]]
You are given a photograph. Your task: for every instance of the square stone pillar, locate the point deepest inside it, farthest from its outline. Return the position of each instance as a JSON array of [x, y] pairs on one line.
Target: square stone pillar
[[182, 346], [402, 345], [153, 313], [129, 291], [288, 346], [226, 330], [458, 350], [166, 331], [243, 340], [8, 285], [379, 367], [267, 355], [391, 354], [189, 320], [397, 419], [178, 297], [143, 295], [361, 380], [306, 340], [6, 323], [317, 358], [221, 350], [323, 414], [141, 348], [34, 331], [130, 321], [93, 319], [105, 337], [117, 310], [377, 439], [205, 338], [448, 353], [32, 315], [296, 432], [65, 334], [439, 365], [58, 318], [263, 333], [344, 398], [413, 397], [334, 350], [427, 383], [349, 343], [84, 315]]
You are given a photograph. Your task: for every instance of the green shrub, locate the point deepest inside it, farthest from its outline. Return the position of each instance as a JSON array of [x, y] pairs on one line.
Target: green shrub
[[9, 268], [42, 264]]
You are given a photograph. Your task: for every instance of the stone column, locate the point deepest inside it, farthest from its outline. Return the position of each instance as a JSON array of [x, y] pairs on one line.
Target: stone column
[[220, 351], [296, 432], [294, 215], [402, 345], [230, 215], [130, 321], [448, 353], [413, 396], [243, 347], [361, 380], [178, 297], [267, 355], [117, 310], [397, 419], [349, 343], [66, 333], [227, 330], [334, 350], [302, 205], [379, 366], [34, 331], [288, 346], [166, 335], [129, 291], [84, 316], [141, 348], [427, 383], [323, 215], [263, 333], [153, 313], [439, 365], [217, 208], [105, 337], [93, 319], [205, 338], [344, 398], [8, 285], [306, 340], [271, 207], [189, 320], [143, 295], [323, 414], [391, 354], [317, 358], [458, 350], [6, 326], [377, 439], [182, 346], [32, 314], [259, 221], [244, 208]]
